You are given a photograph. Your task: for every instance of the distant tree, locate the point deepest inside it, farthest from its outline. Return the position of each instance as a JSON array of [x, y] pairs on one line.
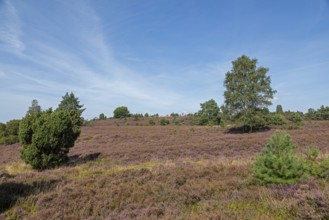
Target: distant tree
[[209, 113], [121, 112], [2, 130], [102, 116], [248, 92], [146, 115], [70, 102], [311, 114], [174, 114], [35, 108], [279, 109]]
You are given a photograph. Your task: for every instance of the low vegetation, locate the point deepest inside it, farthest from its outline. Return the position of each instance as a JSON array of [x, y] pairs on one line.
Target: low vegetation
[[166, 172]]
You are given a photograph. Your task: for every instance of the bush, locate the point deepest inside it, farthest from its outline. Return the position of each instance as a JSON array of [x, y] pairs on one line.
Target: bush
[[295, 117], [314, 167], [277, 119], [9, 132], [277, 163], [164, 122], [47, 137], [121, 112]]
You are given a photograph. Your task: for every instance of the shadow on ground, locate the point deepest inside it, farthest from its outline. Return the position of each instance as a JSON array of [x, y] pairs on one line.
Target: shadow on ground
[[10, 192], [78, 159]]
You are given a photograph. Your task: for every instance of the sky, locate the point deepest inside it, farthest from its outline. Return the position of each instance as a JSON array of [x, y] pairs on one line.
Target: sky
[[158, 56]]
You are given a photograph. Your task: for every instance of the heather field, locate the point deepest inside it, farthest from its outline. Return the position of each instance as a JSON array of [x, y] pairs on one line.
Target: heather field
[[124, 169]]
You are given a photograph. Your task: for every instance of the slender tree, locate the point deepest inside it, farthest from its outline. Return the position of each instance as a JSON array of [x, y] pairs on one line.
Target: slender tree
[[35, 108], [279, 109], [70, 102], [248, 92]]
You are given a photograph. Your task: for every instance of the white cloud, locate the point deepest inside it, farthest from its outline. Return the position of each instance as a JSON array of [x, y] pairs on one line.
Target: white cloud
[[10, 29]]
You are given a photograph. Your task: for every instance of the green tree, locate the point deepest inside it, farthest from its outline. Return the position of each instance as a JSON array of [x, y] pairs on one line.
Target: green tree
[[277, 163], [209, 113], [102, 116], [279, 109], [70, 102], [47, 138], [35, 108], [121, 112], [248, 92]]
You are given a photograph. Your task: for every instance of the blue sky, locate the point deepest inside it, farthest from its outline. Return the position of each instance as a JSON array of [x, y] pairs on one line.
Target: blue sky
[[158, 56]]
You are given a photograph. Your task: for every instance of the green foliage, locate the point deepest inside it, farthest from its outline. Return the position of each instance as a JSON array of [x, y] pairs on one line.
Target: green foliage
[[121, 112], [315, 167], [164, 122], [35, 108], [320, 114], [47, 136], [70, 102], [248, 92], [12, 127], [177, 122], [279, 109], [9, 132], [137, 117], [174, 114], [295, 117], [277, 119], [102, 116], [277, 163], [209, 113]]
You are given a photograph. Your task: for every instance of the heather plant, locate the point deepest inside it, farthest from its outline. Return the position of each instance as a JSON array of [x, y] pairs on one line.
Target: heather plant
[[277, 163]]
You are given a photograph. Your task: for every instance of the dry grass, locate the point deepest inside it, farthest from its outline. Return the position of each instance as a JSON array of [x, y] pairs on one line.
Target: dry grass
[[155, 172]]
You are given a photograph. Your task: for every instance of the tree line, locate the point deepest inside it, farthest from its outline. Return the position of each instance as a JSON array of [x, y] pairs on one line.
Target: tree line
[[47, 135]]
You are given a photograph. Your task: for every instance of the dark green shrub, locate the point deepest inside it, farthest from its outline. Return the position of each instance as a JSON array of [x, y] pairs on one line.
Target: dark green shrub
[[11, 139], [9, 132], [164, 122], [277, 164], [209, 113], [277, 119], [295, 117], [102, 116], [121, 112], [47, 137]]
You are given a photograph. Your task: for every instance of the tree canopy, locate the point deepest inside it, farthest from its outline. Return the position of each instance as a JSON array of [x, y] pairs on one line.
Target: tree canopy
[[248, 92], [70, 102], [121, 112], [48, 135], [209, 113]]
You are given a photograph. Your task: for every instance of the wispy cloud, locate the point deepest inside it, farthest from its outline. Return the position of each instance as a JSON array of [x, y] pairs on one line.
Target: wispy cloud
[[10, 34]]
